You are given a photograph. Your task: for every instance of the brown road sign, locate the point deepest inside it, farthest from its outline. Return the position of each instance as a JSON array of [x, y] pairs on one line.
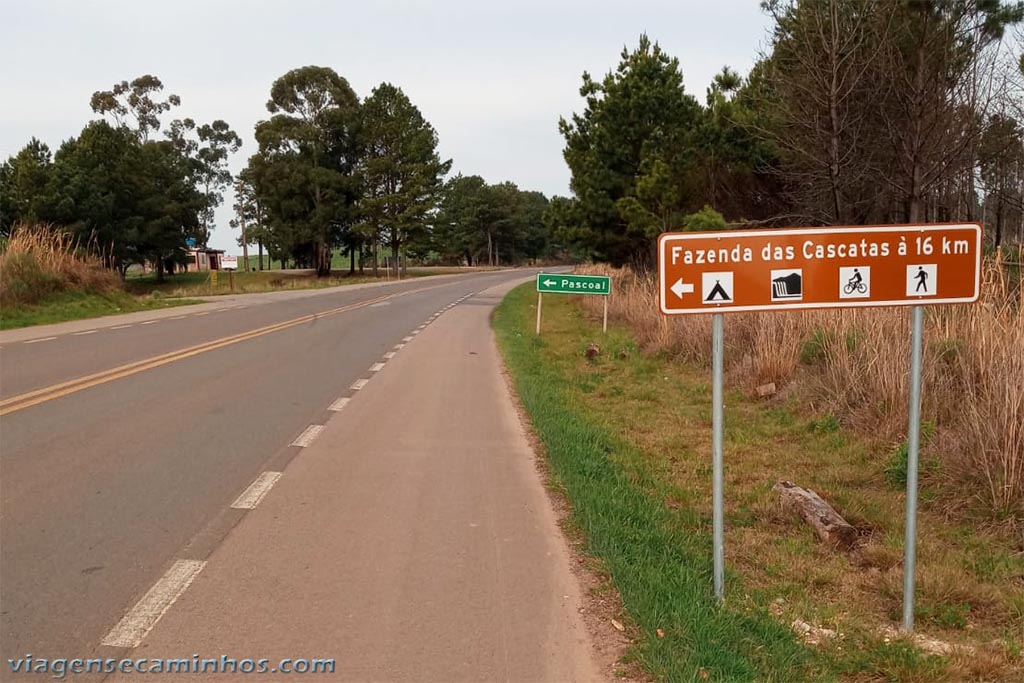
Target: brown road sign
[[761, 270]]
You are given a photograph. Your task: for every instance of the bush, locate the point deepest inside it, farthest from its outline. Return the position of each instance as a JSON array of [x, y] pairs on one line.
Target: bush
[[813, 349], [38, 262], [896, 467], [858, 362]]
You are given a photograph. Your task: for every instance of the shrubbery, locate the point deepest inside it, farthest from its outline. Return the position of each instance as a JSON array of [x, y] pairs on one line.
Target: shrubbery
[[37, 262]]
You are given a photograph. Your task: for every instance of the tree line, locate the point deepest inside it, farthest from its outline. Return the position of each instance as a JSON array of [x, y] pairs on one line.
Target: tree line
[[332, 172], [859, 113], [364, 176], [133, 198]]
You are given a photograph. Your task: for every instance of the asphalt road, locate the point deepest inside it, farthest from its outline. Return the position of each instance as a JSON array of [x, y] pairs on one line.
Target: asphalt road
[[104, 484], [412, 541]]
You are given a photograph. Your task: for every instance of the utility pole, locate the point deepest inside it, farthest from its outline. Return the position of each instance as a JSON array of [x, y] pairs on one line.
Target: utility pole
[[245, 246]]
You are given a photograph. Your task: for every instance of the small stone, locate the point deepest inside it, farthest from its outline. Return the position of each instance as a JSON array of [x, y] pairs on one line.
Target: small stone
[[766, 390], [618, 625], [593, 351], [812, 635]]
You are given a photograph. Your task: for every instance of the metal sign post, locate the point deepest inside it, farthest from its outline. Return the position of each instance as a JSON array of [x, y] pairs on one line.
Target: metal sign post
[[717, 416], [230, 263], [826, 267], [913, 439]]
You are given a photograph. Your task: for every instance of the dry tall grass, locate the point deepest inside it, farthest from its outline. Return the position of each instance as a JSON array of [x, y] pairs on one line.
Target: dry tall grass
[[37, 261], [856, 361]]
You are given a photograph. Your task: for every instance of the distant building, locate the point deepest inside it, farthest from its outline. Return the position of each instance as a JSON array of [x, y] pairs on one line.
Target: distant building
[[201, 260]]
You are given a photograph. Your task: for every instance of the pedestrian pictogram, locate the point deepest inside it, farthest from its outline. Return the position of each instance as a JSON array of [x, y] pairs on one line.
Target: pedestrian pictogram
[[922, 279], [716, 288], [787, 285], [855, 282]]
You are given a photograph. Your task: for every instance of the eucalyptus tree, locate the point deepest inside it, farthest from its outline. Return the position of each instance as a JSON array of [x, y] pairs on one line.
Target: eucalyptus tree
[[207, 148], [304, 173], [135, 103]]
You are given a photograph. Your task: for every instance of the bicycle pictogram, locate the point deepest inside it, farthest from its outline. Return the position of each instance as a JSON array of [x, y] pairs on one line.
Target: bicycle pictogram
[[855, 284]]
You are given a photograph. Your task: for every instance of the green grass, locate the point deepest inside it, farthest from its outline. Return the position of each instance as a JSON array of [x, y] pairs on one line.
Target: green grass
[[659, 558], [78, 305], [627, 435], [896, 467]]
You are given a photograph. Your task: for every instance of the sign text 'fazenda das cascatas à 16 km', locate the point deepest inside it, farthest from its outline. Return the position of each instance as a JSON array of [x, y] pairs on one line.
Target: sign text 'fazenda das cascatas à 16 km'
[[829, 267]]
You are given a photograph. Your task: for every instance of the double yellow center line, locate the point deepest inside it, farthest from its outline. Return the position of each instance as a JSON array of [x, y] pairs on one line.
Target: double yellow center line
[[31, 398]]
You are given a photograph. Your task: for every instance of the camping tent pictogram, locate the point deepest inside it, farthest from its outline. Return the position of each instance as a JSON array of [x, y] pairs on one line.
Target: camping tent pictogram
[[718, 291]]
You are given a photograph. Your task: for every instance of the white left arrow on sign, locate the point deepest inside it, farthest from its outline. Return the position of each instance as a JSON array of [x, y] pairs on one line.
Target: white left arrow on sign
[[548, 283], [680, 288]]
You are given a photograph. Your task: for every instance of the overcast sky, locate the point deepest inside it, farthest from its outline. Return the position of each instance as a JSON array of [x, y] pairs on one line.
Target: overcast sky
[[492, 78]]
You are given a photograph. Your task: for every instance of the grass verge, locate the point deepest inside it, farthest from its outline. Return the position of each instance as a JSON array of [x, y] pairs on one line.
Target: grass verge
[[627, 437], [659, 558], [77, 305]]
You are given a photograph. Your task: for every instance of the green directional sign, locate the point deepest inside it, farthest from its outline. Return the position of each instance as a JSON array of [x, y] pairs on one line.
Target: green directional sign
[[557, 283]]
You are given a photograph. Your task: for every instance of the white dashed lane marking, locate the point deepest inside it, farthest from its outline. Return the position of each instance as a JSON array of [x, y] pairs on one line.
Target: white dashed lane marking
[[376, 367], [36, 341], [120, 327], [254, 494], [359, 384], [82, 334], [308, 435], [389, 355], [150, 322], [338, 404], [141, 619]]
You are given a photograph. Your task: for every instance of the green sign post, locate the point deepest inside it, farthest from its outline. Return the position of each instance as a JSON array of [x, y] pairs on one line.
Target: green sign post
[[565, 283]]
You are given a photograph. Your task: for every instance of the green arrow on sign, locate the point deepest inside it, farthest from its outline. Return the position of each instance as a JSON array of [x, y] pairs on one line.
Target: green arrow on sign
[[557, 283]]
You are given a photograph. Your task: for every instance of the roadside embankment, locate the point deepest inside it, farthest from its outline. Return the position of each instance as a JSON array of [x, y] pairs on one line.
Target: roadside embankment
[[46, 277], [627, 434]]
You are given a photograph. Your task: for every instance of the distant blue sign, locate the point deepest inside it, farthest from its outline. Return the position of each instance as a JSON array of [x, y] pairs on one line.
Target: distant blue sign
[[190, 241]]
